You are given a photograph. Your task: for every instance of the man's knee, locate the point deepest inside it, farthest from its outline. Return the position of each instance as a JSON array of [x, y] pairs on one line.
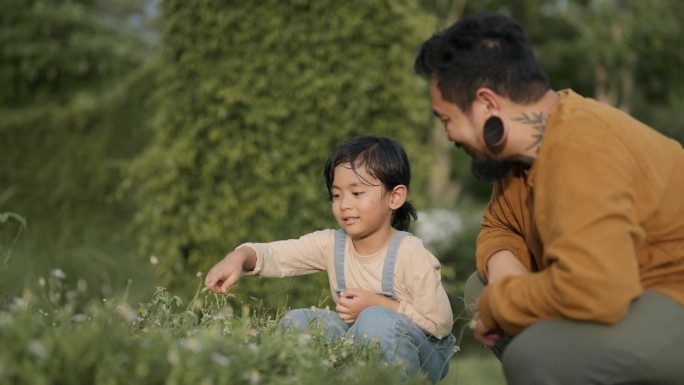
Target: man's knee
[[551, 352]]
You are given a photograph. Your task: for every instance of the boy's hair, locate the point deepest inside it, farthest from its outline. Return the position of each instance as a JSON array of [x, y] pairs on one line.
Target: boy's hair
[[384, 159], [484, 50]]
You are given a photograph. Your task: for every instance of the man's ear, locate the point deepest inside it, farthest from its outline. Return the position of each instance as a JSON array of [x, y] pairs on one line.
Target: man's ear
[[398, 196], [488, 99]]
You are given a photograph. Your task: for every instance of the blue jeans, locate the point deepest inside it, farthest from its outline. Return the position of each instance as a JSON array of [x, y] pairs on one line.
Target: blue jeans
[[402, 342]]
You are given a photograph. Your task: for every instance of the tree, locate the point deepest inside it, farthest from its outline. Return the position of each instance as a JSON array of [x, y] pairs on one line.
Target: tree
[[74, 83]]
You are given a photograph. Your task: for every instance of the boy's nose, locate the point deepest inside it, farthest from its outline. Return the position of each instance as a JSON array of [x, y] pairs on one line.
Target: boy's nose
[[345, 203]]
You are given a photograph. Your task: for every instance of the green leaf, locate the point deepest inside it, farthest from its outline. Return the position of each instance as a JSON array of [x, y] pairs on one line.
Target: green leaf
[[4, 217]]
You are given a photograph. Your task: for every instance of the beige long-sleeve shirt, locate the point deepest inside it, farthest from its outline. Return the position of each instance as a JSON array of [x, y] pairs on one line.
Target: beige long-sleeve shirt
[[598, 218], [417, 279]]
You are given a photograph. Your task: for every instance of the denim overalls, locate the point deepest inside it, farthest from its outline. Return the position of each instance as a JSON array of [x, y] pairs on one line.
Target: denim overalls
[[402, 341]]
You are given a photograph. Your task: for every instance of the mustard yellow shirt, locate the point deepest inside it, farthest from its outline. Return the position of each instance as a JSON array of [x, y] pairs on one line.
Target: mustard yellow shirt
[[417, 276], [598, 218]]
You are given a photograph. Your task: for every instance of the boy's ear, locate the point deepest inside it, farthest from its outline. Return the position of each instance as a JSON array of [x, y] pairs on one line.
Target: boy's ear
[[398, 196]]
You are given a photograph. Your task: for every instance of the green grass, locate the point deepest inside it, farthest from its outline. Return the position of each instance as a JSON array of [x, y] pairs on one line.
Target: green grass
[[479, 368], [55, 333]]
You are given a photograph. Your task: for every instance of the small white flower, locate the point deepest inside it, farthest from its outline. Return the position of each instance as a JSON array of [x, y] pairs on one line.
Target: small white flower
[[79, 318], [41, 282], [154, 260], [173, 357], [199, 274], [38, 349], [127, 313], [220, 359], [255, 376], [192, 344], [438, 225], [17, 304], [58, 273]]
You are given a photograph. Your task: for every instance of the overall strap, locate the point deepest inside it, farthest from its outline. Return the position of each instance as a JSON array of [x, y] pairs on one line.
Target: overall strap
[[390, 263], [340, 240]]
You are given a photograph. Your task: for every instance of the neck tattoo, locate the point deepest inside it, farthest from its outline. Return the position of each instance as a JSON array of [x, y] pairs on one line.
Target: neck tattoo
[[538, 123]]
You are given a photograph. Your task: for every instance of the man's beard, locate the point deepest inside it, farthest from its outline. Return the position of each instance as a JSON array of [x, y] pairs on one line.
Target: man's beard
[[490, 170], [486, 169]]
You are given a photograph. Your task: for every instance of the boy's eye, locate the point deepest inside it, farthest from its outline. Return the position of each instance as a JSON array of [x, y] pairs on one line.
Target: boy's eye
[[357, 193]]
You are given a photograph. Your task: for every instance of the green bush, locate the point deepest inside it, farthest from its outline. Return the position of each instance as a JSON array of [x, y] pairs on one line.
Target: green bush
[[253, 98], [74, 87]]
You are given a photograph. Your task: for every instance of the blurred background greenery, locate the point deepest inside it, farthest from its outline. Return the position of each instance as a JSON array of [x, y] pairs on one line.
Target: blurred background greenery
[[144, 139]]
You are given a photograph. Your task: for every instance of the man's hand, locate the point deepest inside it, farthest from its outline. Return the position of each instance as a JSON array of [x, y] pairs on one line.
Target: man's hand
[[484, 335], [353, 301]]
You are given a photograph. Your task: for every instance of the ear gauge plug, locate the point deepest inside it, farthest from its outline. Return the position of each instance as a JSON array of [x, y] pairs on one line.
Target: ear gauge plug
[[494, 132]]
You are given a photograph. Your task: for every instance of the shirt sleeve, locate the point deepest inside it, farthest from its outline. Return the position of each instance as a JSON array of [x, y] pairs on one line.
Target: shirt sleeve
[[429, 305], [292, 257], [584, 206], [502, 224]]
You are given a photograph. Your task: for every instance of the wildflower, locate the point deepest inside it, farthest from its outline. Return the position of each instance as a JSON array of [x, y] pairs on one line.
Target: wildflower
[[304, 339], [439, 226], [38, 349], [255, 376], [17, 304], [127, 313], [472, 324], [82, 285], [154, 260], [41, 282], [220, 359], [58, 273], [79, 318], [173, 357], [192, 344], [199, 274]]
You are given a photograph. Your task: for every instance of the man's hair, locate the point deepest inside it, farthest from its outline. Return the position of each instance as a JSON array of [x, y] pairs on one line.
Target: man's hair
[[384, 159], [483, 50]]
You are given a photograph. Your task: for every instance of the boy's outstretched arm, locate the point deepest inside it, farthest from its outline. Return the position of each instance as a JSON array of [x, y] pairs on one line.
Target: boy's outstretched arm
[[229, 270]]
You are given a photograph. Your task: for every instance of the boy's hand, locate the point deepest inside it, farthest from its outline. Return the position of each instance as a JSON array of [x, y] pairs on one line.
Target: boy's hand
[[353, 301], [227, 272]]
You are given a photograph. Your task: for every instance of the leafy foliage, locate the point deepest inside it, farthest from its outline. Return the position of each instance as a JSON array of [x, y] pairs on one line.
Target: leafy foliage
[[51, 336], [53, 49], [73, 97]]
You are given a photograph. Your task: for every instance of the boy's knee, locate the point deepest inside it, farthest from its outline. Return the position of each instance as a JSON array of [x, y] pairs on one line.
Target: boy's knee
[[297, 320], [376, 322]]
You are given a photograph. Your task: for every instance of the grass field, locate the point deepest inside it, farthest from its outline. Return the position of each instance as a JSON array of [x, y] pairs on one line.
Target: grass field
[[480, 368], [54, 333]]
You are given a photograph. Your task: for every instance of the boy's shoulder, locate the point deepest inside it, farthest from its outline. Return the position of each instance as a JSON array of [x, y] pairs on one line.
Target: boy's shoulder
[[414, 248]]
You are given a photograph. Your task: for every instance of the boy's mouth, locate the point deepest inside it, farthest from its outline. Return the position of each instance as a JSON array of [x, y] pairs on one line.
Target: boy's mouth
[[349, 220]]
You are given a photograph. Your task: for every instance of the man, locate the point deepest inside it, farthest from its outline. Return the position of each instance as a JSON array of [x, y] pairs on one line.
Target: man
[[582, 243]]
